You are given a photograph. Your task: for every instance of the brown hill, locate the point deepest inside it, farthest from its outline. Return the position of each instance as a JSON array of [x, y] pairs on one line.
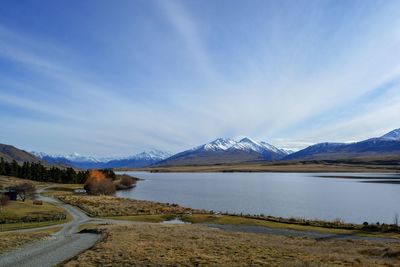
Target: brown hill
[[10, 153]]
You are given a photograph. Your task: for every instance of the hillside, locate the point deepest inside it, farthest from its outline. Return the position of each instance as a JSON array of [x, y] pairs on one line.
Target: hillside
[[10, 153]]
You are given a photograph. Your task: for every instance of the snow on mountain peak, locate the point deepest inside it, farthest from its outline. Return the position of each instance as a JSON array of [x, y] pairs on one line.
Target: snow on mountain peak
[[79, 158], [219, 144], [244, 144], [394, 135], [153, 154], [76, 157], [248, 145]]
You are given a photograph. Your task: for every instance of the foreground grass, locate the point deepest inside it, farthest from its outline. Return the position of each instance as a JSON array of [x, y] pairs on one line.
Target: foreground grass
[[10, 241], [23, 215], [191, 245], [19, 226], [237, 220], [19, 208], [104, 206], [26, 212]]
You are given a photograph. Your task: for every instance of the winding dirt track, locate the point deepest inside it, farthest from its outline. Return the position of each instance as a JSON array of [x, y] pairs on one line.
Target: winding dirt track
[[59, 247]]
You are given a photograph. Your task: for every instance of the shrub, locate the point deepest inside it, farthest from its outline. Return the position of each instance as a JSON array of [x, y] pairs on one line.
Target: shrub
[[126, 180], [98, 184], [103, 187]]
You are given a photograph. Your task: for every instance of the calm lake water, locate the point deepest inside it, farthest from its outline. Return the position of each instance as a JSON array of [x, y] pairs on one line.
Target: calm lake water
[[364, 197]]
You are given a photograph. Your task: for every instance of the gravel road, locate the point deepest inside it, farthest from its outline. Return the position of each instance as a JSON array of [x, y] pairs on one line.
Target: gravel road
[[59, 247]]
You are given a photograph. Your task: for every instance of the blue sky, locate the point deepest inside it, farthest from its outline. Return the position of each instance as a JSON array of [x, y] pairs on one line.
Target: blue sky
[[109, 78]]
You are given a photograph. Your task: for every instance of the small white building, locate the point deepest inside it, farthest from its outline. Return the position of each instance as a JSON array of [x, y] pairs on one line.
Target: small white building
[[80, 191]]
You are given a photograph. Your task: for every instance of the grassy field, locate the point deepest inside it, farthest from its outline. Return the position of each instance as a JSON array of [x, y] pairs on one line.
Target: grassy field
[[18, 215], [7, 181], [61, 189], [237, 220], [14, 240], [104, 206], [190, 245]]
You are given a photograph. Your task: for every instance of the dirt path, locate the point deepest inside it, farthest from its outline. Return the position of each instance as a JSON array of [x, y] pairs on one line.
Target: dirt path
[[59, 247]]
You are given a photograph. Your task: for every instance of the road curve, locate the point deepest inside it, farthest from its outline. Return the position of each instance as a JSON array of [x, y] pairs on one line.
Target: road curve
[[61, 246]]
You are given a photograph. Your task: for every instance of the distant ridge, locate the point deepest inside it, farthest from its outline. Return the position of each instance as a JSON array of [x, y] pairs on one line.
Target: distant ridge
[[226, 150], [76, 160], [386, 147]]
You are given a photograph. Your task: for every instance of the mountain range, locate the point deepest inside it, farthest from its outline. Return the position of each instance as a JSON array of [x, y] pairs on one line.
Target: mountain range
[[86, 162], [385, 147], [225, 150]]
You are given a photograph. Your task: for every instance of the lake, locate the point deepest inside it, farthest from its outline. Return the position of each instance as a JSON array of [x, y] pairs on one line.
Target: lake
[[355, 197]]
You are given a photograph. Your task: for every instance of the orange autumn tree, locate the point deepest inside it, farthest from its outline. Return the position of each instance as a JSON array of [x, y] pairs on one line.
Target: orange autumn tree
[[98, 184]]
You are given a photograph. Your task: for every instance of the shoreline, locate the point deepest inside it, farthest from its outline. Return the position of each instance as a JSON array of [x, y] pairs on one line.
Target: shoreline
[[274, 167]]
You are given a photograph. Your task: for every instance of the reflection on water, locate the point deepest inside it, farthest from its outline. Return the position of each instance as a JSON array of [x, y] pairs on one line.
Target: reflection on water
[[175, 221]]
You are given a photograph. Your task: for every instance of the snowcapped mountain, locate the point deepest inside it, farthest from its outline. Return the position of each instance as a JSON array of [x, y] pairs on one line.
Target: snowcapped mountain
[[394, 135], [386, 147], [142, 159], [262, 147], [79, 158], [245, 144], [151, 155], [217, 144], [226, 150], [76, 160], [72, 157]]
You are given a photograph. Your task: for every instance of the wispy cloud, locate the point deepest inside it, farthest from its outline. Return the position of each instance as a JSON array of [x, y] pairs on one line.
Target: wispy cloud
[[184, 73], [192, 43]]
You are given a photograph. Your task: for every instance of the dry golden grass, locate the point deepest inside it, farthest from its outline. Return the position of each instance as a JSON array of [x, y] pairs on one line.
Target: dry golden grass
[[189, 245], [105, 206], [237, 220], [17, 211], [13, 240], [6, 181]]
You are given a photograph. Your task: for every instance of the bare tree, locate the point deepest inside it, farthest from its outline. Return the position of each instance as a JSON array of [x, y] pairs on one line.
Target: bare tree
[[3, 201], [25, 190]]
